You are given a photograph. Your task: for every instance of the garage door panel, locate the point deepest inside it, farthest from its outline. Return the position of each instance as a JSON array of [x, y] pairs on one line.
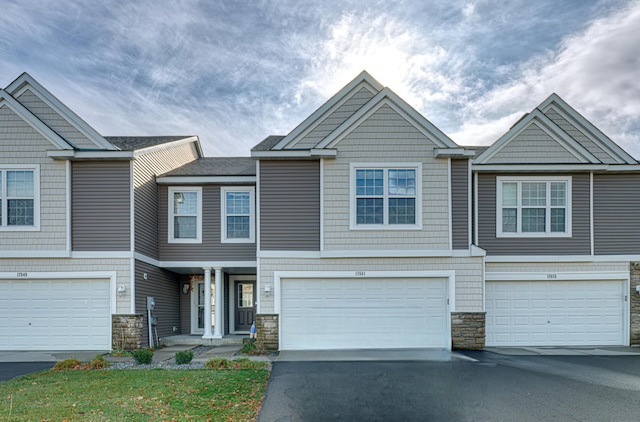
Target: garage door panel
[[55, 314], [363, 313], [556, 313]]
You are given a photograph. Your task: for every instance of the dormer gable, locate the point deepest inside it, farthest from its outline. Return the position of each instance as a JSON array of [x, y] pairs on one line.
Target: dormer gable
[[54, 114], [355, 94], [387, 98], [8, 102], [583, 131], [319, 135], [554, 133]]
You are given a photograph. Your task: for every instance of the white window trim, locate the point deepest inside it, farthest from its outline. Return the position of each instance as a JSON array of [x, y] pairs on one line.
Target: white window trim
[[506, 179], [384, 166], [252, 213], [175, 189], [36, 198]]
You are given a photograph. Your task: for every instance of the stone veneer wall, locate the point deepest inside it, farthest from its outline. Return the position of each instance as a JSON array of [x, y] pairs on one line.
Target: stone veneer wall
[[468, 330], [127, 332], [634, 304], [267, 331]]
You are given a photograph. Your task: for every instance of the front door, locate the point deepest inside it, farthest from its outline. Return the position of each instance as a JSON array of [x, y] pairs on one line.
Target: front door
[[197, 307], [245, 304]]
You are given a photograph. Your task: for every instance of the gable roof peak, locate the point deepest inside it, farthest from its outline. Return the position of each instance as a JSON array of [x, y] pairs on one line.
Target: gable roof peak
[[59, 107]]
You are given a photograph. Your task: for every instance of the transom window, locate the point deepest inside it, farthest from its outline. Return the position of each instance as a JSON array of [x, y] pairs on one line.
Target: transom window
[[185, 214], [238, 214], [19, 198], [532, 206], [386, 196]]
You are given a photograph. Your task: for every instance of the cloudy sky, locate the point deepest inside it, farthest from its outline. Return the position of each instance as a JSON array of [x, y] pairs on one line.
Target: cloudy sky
[[234, 72]]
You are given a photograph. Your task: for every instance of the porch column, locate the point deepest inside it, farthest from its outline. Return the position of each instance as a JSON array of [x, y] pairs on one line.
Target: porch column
[[207, 303], [217, 326]]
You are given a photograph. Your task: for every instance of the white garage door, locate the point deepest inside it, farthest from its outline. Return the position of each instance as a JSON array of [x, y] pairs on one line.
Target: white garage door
[[364, 313], [555, 313], [54, 315]]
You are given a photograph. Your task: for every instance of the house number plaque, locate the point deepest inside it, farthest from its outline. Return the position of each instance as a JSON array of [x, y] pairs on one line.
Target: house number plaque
[[360, 274], [22, 275]]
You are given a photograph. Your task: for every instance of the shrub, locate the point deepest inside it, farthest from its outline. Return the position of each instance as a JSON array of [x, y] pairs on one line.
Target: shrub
[[98, 362], [72, 363], [184, 357], [248, 346], [120, 353], [143, 356]]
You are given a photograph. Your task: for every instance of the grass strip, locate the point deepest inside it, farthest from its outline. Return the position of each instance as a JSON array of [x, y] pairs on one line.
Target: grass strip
[[140, 395]]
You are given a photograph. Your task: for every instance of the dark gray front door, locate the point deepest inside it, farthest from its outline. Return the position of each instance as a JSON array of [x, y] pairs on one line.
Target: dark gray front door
[[245, 304]]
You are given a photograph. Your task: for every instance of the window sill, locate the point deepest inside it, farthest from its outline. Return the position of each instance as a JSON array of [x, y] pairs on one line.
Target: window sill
[[395, 227], [533, 235]]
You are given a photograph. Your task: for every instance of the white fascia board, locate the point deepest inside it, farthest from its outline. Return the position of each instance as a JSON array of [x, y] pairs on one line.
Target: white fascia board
[[363, 80], [102, 255], [389, 98], [453, 153], [26, 82], [90, 155], [35, 254], [190, 264], [169, 180], [559, 258], [33, 121], [438, 253], [297, 153], [172, 144], [547, 125], [555, 276], [587, 128], [527, 168], [207, 264]]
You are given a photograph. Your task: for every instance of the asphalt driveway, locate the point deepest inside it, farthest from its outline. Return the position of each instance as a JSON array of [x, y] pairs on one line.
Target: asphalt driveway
[[9, 370], [492, 387]]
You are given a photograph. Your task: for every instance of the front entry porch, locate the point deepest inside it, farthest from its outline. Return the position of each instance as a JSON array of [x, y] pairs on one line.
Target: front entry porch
[[217, 305], [195, 340]]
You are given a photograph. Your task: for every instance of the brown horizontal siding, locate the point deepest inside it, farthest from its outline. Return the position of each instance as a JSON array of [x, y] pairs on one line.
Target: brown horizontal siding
[[578, 244], [146, 168], [100, 203], [290, 205], [164, 286], [460, 203], [616, 214], [211, 248]]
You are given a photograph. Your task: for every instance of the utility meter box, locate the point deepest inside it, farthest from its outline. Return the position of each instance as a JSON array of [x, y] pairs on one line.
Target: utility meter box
[[151, 303]]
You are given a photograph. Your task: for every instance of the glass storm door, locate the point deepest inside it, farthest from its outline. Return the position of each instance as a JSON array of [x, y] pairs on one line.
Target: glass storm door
[[197, 308], [245, 305]]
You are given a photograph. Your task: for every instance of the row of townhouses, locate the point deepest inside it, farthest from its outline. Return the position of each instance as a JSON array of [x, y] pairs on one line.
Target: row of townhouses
[[364, 227]]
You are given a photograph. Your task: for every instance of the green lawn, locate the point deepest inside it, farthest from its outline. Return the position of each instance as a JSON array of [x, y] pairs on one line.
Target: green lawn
[[134, 395]]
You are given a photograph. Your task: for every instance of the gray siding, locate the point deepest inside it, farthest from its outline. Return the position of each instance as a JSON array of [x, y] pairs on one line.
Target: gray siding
[[145, 169], [616, 213], [211, 248], [290, 205], [164, 287], [100, 204], [578, 244], [185, 307], [460, 203]]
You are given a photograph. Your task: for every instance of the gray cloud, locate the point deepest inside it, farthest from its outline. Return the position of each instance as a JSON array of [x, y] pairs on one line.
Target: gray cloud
[[234, 73]]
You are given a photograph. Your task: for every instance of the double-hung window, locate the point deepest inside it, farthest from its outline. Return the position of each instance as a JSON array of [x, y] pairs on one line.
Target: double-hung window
[[19, 198], [386, 196], [533, 206], [185, 214], [238, 214]]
